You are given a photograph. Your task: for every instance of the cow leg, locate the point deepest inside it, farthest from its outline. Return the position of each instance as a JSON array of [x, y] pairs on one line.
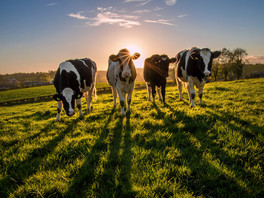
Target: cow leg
[[153, 92], [191, 92], [159, 93], [179, 85], [163, 92], [89, 100], [114, 95], [59, 108], [122, 101], [149, 90], [200, 92], [129, 96], [79, 106]]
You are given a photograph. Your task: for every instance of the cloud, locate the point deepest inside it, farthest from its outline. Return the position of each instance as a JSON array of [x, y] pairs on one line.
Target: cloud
[[77, 16], [170, 2], [143, 2], [52, 4], [160, 21], [142, 11], [106, 16], [183, 15]]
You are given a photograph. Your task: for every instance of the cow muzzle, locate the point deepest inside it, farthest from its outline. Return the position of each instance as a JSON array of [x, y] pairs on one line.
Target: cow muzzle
[[71, 113], [126, 75], [207, 73]]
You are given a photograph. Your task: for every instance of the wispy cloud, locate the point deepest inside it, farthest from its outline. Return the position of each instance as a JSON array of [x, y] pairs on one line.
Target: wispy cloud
[[147, 10], [78, 15], [107, 16], [160, 21], [183, 15], [52, 4], [141, 2], [170, 2], [142, 11]]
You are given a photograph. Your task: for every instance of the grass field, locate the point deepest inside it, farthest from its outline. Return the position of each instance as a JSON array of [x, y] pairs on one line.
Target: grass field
[[160, 150], [32, 92]]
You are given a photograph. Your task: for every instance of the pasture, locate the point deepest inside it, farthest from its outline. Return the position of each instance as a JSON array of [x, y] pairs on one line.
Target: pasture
[[159, 150]]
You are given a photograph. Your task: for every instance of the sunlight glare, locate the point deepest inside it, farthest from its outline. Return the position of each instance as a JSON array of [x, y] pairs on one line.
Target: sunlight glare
[[139, 63]]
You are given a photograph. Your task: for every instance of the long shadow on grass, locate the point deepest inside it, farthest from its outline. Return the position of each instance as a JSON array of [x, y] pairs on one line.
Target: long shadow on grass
[[233, 177], [18, 173], [15, 144], [115, 179], [115, 176], [85, 176], [205, 178]]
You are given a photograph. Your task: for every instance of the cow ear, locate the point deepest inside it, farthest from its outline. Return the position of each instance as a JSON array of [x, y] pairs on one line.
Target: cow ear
[[78, 95], [216, 54], [114, 58], [194, 56], [57, 97], [172, 60], [136, 56]]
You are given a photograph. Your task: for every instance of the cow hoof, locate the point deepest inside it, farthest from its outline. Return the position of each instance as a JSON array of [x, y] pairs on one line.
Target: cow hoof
[[128, 112]]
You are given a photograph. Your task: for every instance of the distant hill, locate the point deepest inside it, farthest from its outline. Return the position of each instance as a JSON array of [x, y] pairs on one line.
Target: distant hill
[[101, 75]]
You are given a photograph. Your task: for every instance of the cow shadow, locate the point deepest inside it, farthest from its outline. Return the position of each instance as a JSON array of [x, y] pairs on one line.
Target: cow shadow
[[110, 176], [193, 157], [197, 127], [19, 172]]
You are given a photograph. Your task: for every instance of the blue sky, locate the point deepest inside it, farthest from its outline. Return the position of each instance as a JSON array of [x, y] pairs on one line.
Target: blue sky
[[37, 35]]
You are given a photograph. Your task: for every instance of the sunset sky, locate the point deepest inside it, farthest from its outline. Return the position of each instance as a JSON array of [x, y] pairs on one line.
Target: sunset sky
[[37, 35]]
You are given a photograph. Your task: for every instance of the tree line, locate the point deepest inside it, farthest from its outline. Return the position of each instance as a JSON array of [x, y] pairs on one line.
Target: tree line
[[19, 80], [229, 63], [228, 66]]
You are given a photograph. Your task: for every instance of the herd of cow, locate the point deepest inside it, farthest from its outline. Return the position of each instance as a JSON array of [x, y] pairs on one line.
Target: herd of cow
[[77, 77]]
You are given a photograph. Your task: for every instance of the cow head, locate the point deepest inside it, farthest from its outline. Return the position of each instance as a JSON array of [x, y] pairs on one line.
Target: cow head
[[204, 58], [68, 97], [126, 64], [163, 62]]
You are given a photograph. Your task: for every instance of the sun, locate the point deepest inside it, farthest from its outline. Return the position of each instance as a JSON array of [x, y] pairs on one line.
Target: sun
[[133, 49]]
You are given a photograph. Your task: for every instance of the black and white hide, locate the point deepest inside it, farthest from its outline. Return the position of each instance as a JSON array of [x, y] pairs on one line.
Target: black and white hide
[[121, 75], [73, 79], [192, 67], [156, 70]]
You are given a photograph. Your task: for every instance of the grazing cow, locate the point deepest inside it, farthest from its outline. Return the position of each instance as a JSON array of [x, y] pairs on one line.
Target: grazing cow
[[121, 75], [73, 79], [193, 67], [155, 72]]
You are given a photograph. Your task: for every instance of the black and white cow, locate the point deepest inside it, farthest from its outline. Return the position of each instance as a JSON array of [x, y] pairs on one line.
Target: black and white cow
[[121, 75], [73, 79], [193, 67], [156, 70]]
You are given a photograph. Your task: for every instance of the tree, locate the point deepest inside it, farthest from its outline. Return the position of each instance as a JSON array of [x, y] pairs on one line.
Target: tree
[[230, 61], [238, 57], [224, 62]]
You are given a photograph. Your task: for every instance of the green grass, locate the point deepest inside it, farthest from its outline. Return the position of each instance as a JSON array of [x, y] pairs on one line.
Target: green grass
[[33, 92], [171, 150]]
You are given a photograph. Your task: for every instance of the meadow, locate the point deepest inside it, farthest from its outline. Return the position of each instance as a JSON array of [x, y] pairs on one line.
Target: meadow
[[159, 150]]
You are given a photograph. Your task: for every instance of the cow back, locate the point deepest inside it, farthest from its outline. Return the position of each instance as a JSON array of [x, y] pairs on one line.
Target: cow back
[[84, 68]]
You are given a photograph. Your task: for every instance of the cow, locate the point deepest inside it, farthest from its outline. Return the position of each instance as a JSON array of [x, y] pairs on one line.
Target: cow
[[155, 72], [193, 66], [121, 75], [73, 79]]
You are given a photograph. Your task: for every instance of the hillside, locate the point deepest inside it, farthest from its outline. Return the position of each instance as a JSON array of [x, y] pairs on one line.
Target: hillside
[[159, 150]]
